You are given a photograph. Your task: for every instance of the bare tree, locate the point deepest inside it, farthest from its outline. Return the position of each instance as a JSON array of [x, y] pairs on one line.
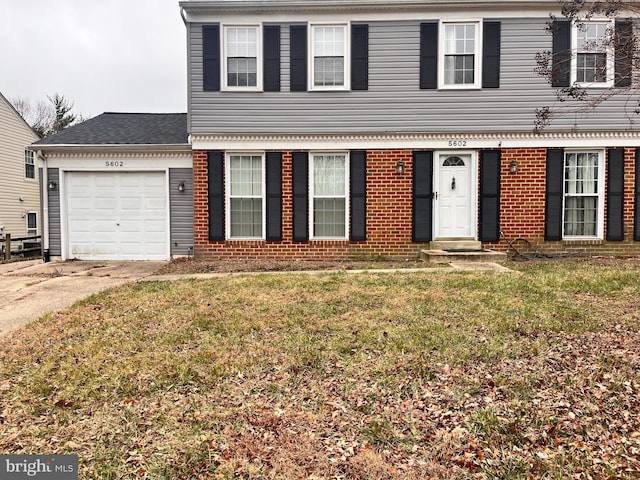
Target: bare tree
[[39, 115], [47, 118], [606, 55]]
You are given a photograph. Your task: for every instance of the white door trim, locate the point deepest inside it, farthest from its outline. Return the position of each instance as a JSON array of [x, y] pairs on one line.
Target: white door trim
[[473, 194]]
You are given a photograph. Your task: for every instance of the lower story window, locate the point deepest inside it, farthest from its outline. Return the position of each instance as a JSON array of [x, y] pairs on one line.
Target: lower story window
[[32, 223], [245, 203], [583, 191], [329, 209]]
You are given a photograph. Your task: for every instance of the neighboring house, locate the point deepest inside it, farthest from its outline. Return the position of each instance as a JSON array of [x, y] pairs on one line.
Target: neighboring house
[[19, 185], [373, 127], [118, 187]]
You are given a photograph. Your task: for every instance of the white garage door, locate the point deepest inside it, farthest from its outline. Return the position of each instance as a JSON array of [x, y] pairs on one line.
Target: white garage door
[[117, 215]]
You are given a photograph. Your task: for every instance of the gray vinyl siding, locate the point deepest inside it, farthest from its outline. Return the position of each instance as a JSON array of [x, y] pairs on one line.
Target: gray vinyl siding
[[181, 211], [55, 239], [394, 102]]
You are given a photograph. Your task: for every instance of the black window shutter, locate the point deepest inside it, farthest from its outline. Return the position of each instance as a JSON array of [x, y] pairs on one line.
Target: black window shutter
[[422, 196], [215, 171], [298, 65], [491, 55], [359, 57], [636, 230], [615, 194], [211, 57], [490, 195], [274, 196], [553, 206], [300, 172], [271, 58], [624, 53], [358, 194], [561, 59], [428, 55]]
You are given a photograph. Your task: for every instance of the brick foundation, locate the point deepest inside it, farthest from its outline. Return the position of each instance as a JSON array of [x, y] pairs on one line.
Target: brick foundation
[[389, 207]]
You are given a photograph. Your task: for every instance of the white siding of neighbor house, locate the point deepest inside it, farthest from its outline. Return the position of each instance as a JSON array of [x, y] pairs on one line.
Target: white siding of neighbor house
[[18, 194], [394, 102]]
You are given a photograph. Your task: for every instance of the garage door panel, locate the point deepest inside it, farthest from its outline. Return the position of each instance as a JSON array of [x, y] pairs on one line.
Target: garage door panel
[[154, 227], [117, 215]]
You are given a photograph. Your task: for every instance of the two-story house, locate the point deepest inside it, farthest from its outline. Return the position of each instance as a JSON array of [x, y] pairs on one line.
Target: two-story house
[[374, 127], [337, 128], [19, 185]]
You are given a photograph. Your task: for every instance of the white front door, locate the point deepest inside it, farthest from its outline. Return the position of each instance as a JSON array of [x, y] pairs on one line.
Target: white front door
[[455, 205], [117, 216]]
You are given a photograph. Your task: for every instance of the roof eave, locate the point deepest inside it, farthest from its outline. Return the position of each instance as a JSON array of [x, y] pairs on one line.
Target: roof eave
[[205, 6], [114, 148]]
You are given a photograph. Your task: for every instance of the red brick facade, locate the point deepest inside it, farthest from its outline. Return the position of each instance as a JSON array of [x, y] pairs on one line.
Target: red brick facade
[[389, 212]]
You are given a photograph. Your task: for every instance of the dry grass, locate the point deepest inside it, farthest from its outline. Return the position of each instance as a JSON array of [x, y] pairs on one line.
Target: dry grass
[[373, 376]]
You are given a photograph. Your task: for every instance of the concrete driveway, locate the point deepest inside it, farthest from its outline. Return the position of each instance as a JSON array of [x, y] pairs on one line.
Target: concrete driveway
[[30, 289]]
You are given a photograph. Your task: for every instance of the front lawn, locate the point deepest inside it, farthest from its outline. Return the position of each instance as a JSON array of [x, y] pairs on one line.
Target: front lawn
[[444, 375]]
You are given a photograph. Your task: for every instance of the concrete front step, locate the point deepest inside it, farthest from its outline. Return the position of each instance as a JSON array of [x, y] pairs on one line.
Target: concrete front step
[[456, 245], [442, 256]]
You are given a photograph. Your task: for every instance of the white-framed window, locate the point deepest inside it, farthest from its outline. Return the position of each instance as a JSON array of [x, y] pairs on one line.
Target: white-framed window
[[242, 65], [329, 196], [593, 60], [329, 57], [583, 212], [460, 56], [29, 165], [245, 195], [32, 223]]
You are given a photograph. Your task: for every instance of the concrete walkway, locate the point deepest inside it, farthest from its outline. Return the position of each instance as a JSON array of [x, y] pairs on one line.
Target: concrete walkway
[[31, 289]]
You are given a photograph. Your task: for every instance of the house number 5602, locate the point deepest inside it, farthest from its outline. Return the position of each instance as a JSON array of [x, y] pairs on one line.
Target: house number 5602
[[457, 143], [113, 163]]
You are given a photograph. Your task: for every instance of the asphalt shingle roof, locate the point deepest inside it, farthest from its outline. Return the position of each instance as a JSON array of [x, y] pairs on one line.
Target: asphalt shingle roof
[[124, 129]]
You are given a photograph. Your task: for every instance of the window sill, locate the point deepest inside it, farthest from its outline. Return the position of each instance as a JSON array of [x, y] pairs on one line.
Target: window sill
[[242, 90], [585, 240], [460, 87]]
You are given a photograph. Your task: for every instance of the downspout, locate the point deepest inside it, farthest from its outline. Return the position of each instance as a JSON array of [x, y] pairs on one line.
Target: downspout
[[44, 200]]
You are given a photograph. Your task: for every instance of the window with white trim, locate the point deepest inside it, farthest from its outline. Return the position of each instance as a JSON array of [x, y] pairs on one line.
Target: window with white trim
[[242, 65], [583, 214], [29, 164], [329, 195], [592, 64], [460, 55], [32, 223], [245, 197], [329, 57]]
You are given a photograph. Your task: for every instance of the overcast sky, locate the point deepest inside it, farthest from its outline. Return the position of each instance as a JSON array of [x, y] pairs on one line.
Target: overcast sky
[[102, 55]]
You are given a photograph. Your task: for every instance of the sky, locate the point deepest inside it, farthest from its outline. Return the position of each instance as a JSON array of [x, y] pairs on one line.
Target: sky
[[101, 55]]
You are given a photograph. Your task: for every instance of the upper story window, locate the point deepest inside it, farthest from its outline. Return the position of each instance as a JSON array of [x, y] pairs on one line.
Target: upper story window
[[245, 198], [242, 65], [592, 63], [583, 194], [460, 55], [329, 57], [29, 164], [329, 194]]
